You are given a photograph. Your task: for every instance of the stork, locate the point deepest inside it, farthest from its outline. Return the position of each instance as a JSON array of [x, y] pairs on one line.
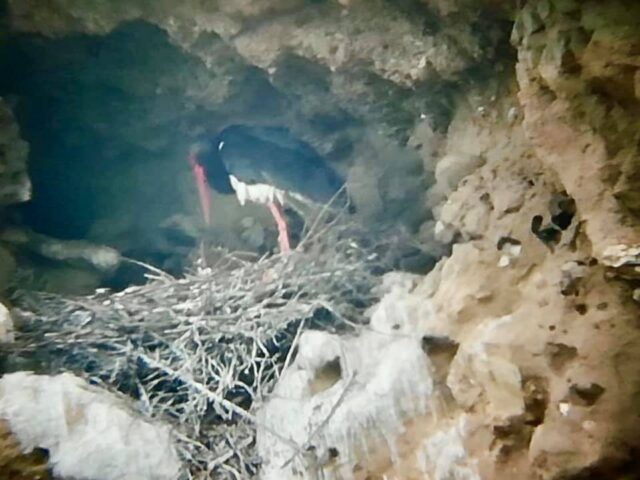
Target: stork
[[266, 165]]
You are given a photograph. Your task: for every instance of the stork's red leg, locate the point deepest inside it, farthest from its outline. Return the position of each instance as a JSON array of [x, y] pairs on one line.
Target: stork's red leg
[[283, 234]]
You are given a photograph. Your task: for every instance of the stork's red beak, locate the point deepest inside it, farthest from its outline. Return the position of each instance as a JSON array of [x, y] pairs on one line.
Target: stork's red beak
[[203, 188]]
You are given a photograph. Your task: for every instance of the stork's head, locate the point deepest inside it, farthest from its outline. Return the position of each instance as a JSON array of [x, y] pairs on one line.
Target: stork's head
[[197, 153]]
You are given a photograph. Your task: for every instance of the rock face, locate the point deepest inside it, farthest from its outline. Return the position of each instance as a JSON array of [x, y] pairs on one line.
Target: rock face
[[514, 328], [578, 69], [528, 327], [6, 325], [15, 186], [337, 399], [65, 415], [14, 464], [43, 263], [517, 356]]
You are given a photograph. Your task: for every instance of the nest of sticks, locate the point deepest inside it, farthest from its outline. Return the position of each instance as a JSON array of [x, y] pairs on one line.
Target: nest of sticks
[[202, 351]]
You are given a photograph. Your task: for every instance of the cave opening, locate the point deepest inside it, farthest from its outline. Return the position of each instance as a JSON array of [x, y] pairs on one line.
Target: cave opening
[[109, 120], [84, 123], [106, 117]]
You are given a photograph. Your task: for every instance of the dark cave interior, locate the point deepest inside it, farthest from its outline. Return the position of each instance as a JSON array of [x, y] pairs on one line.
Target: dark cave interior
[[109, 120]]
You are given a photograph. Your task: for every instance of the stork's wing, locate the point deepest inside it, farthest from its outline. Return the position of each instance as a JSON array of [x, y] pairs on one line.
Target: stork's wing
[[271, 156], [280, 136]]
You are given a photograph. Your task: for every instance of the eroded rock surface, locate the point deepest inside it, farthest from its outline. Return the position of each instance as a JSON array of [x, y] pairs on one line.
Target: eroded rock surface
[[87, 432], [577, 68], [14, 464], [15, 186], [529, 335], [517, 356]]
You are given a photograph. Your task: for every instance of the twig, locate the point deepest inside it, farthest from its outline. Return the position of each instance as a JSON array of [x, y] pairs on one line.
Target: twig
[[160, 273]]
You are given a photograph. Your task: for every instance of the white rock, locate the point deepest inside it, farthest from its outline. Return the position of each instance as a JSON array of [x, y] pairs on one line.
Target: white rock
[[443, 233], [374, 395], [511, 252], [444, 455], [504, 261], [514, 250], [6, 325], [383, 380], [484, 368], [618, 255], [89, 433]]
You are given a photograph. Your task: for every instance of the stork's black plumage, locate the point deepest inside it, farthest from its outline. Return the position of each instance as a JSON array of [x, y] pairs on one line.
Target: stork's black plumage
[[264, 164], [268, 156]]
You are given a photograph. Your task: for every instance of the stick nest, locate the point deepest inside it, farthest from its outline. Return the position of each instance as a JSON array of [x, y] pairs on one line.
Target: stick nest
[[203, 351]]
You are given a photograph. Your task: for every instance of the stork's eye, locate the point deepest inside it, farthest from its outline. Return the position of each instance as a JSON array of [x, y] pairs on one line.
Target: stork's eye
[[220, 145]]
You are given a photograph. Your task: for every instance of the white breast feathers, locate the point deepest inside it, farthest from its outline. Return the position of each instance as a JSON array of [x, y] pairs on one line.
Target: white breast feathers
[[257, 192]]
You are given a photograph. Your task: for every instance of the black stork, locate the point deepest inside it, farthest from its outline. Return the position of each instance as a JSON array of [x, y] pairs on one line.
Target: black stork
[[263, 164]]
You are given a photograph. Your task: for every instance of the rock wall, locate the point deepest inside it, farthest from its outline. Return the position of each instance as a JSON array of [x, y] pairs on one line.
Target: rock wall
[[529, 326], [517, 356], [15, 186], [545, 373], [578, 69], [14, 181]]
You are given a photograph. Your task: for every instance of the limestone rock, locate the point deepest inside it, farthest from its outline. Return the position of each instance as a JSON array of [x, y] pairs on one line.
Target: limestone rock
[[520, 330], [17, 465], [71, 267], [352, 413], [376, 58], [6, 324], [73, 252], [577, 134], [451, 169], [15, 186], [514, 336], [88, 433], [7, 267], [254, 233], [398, 51], [517, 356]]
